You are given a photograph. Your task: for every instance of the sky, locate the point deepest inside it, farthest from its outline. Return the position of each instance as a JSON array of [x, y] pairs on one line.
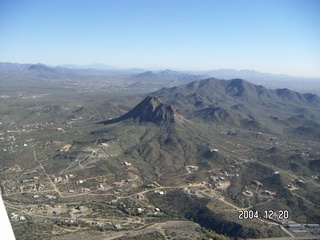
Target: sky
[[272, 36]]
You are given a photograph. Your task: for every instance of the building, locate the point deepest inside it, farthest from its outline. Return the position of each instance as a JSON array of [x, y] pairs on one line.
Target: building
[[86, 189], [313, 226], [55, 212], [127, 164], [295, 226]]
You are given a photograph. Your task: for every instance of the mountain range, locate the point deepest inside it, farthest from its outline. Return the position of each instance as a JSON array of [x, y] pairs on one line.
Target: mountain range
[[137, 79], [246, 105], [226, 124], [234, 106]]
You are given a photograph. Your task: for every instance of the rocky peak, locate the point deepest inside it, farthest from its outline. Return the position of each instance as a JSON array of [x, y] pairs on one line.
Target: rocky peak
[[151, 109]]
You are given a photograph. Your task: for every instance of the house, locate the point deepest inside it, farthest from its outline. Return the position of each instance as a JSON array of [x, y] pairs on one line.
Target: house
[[127, 164], [14, 216], [214, 178], [50, 197], [56, 212], [266, 192], [193, 167], [117, 226], [139, 210], [256, 182], [58, 179], [296, 226], [231, 132], [313, 226], [86, 189], [248, 192]]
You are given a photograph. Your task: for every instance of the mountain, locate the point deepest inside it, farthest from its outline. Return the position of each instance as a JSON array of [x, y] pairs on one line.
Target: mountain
[[40, 67], [272, 81], [161, 79], [257, 77], [237, 103], [149, 75], [40, 76], [245, 105], [243, 74], [223, 90], [98, 66], [151, 109], [7, 67]]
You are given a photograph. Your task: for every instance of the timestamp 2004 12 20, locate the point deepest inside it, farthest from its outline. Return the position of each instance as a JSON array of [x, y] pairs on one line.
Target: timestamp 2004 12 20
[[267, 214]]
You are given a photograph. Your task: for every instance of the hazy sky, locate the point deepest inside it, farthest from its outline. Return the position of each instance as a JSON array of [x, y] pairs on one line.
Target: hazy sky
[[268, 36]]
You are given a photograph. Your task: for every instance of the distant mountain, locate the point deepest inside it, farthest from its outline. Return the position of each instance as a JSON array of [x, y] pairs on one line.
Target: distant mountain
[[149, 75], [166, 78], [29, 75], [243, 74], [7, 67], [139, 79], [26, 68], [40, 75], [253, 76], [41, 68], [98, 66], [273, 81]]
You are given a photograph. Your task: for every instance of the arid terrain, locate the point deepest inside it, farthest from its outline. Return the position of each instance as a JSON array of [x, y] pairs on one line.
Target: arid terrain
[[139, 155]]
